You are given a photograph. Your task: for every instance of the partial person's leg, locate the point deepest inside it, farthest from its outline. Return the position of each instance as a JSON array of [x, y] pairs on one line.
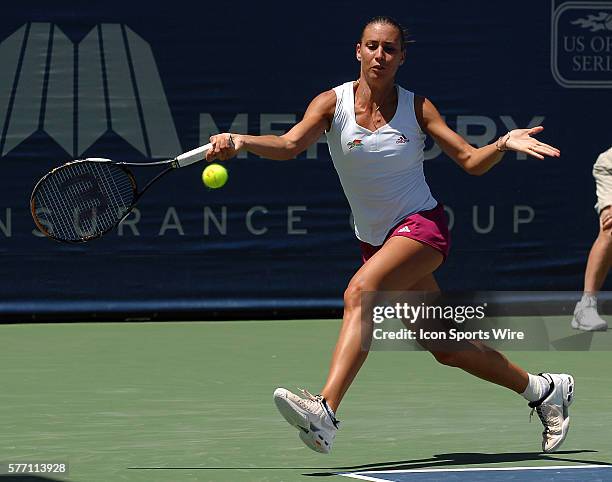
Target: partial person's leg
[[586, 316], [598, 263]]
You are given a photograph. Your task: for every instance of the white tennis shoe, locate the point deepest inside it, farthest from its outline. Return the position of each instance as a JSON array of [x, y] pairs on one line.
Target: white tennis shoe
[[552, 409], [586, 317], [311, 416]]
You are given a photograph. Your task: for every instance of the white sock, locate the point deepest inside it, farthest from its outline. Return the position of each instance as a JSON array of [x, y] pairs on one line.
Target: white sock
[[536, 388], [589, 299]]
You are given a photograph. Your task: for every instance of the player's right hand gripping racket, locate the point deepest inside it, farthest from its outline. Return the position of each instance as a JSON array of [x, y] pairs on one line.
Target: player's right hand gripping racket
[[82, 200]]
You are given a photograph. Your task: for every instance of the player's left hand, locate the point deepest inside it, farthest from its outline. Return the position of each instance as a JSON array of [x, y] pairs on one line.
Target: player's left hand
[[520, 140]]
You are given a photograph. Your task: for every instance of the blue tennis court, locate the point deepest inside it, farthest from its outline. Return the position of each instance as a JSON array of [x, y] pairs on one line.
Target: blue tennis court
[[584, 473]]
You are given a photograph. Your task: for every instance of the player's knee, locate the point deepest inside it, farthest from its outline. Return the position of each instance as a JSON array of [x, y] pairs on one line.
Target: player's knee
[[448, 358], [352, 294], [354, 291]]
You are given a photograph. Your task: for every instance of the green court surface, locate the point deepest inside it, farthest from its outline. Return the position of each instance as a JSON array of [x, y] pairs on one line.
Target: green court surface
[[193, 401]]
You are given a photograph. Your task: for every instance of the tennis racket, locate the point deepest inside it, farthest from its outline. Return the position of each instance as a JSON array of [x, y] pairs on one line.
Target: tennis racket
[[82, 200]]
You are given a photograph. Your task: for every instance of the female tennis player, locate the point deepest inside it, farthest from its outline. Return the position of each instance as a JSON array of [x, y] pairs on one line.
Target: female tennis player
[[376, 133]]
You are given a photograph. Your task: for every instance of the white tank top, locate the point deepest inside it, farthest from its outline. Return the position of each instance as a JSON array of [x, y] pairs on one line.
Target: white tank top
[[381, 172]]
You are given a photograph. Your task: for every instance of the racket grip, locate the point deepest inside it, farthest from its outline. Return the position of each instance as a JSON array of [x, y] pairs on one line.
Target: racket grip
[[192, 156]]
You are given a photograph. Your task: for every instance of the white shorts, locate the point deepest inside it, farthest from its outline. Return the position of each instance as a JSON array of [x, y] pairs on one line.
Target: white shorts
[[602, 172]]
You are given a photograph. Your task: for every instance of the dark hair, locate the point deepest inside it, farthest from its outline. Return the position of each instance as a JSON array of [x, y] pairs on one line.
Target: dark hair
[[389, 21]]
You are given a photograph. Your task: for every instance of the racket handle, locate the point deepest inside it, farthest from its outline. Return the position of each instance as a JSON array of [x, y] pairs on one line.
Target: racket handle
[[192, 156]]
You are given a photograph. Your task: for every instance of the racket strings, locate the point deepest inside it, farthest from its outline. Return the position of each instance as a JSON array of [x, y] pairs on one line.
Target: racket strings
[[83, 199]]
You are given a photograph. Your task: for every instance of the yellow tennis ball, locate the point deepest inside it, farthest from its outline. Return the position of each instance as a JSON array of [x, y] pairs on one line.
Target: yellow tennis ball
[[214, 176]]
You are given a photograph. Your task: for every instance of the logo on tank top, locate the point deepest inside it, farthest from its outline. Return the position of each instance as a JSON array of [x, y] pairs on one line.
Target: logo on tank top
[[354, 143], [402, 139]]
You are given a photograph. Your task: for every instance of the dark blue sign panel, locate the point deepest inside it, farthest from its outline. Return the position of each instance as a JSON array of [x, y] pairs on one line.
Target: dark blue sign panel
[[135, 84]]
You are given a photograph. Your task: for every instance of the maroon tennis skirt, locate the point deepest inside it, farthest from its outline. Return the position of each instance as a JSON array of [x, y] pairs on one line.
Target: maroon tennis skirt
[[427, 227]]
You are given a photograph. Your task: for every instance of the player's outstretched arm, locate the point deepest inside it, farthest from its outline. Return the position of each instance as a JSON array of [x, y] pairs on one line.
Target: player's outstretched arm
[[316, 121], [474, 160]]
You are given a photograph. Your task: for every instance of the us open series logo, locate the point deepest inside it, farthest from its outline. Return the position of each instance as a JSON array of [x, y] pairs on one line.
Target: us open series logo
[[581, 44], [108, 82]]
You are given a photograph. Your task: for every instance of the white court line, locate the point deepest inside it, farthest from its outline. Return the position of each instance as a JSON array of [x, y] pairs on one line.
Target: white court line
[[362, 476]]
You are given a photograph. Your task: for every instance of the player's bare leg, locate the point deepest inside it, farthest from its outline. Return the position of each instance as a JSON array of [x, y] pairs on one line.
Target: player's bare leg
[[486, 363], [400, 264]]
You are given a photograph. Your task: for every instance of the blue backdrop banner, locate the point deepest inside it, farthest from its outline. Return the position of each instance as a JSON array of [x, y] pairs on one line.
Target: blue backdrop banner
[[136, 82]]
